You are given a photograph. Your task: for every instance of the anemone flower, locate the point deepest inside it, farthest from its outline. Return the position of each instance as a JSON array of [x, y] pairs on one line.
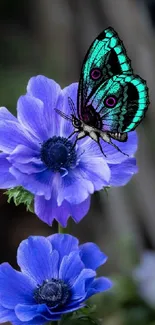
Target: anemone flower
[[37, 154], [57, 277], [144, 276]]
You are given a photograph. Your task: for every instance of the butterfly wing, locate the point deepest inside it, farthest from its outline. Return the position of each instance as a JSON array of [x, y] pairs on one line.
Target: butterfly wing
[[131, 102], [105, 58]]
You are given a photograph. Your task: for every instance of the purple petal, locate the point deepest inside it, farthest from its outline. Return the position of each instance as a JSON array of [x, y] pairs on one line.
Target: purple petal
[[48, 91], [145, 269], [70, 268], [68, 309], [8, 315], [48, 210], [26, 160], [91, 256], [89, 147], [36, 321], [64, 244], [26, 312], [96, 169], [75, 188], [122, 173], [6, 179], [79, 287], [76, 302], [30, 168], [31, 115], [41, 312], [4, 314], [36, 259], [15, 287], [11, 134], [129, 147], [99, 285], [66, 127], [23, 154], [78, 211], [37, 183], [6, 115]]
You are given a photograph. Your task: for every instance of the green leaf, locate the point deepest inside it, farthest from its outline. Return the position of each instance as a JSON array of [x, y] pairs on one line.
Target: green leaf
[[84, 316], [21, 196]]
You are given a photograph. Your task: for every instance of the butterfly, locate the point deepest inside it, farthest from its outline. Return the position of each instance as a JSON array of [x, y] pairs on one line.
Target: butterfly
[[111, 100]]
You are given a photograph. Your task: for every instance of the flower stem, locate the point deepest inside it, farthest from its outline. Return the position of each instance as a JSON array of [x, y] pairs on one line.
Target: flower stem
[[62, 230]]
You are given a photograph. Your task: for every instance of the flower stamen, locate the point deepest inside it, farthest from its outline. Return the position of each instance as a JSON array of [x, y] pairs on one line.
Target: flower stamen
[[54, 293], [57, 153]]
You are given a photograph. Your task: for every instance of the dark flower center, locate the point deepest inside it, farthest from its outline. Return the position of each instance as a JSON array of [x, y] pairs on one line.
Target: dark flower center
[[57, 153], [53, 293]]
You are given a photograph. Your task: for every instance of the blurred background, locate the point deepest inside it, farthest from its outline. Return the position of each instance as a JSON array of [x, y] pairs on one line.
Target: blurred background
[[51, 37]]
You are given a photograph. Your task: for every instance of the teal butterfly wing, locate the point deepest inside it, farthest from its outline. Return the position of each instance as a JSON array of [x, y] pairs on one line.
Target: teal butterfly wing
[[130, 95], [110, 97], [136, 103], [107, 57]]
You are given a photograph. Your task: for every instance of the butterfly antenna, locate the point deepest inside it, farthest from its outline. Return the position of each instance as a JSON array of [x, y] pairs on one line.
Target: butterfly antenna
[[72, 106], [63, 115]]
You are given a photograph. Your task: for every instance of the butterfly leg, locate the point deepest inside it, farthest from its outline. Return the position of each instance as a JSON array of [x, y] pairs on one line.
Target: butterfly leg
[[101, 148], [106, 137], [71, 135], [81, 135], [114, 145], [96, 137]]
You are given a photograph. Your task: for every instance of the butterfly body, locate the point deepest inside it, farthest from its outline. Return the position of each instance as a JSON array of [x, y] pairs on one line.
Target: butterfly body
[[96, 134], [111, 100]]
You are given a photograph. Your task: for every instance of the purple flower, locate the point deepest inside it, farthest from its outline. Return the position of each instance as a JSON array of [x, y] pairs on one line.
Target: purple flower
[[36, 155], [56, 277], [144, 276]]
